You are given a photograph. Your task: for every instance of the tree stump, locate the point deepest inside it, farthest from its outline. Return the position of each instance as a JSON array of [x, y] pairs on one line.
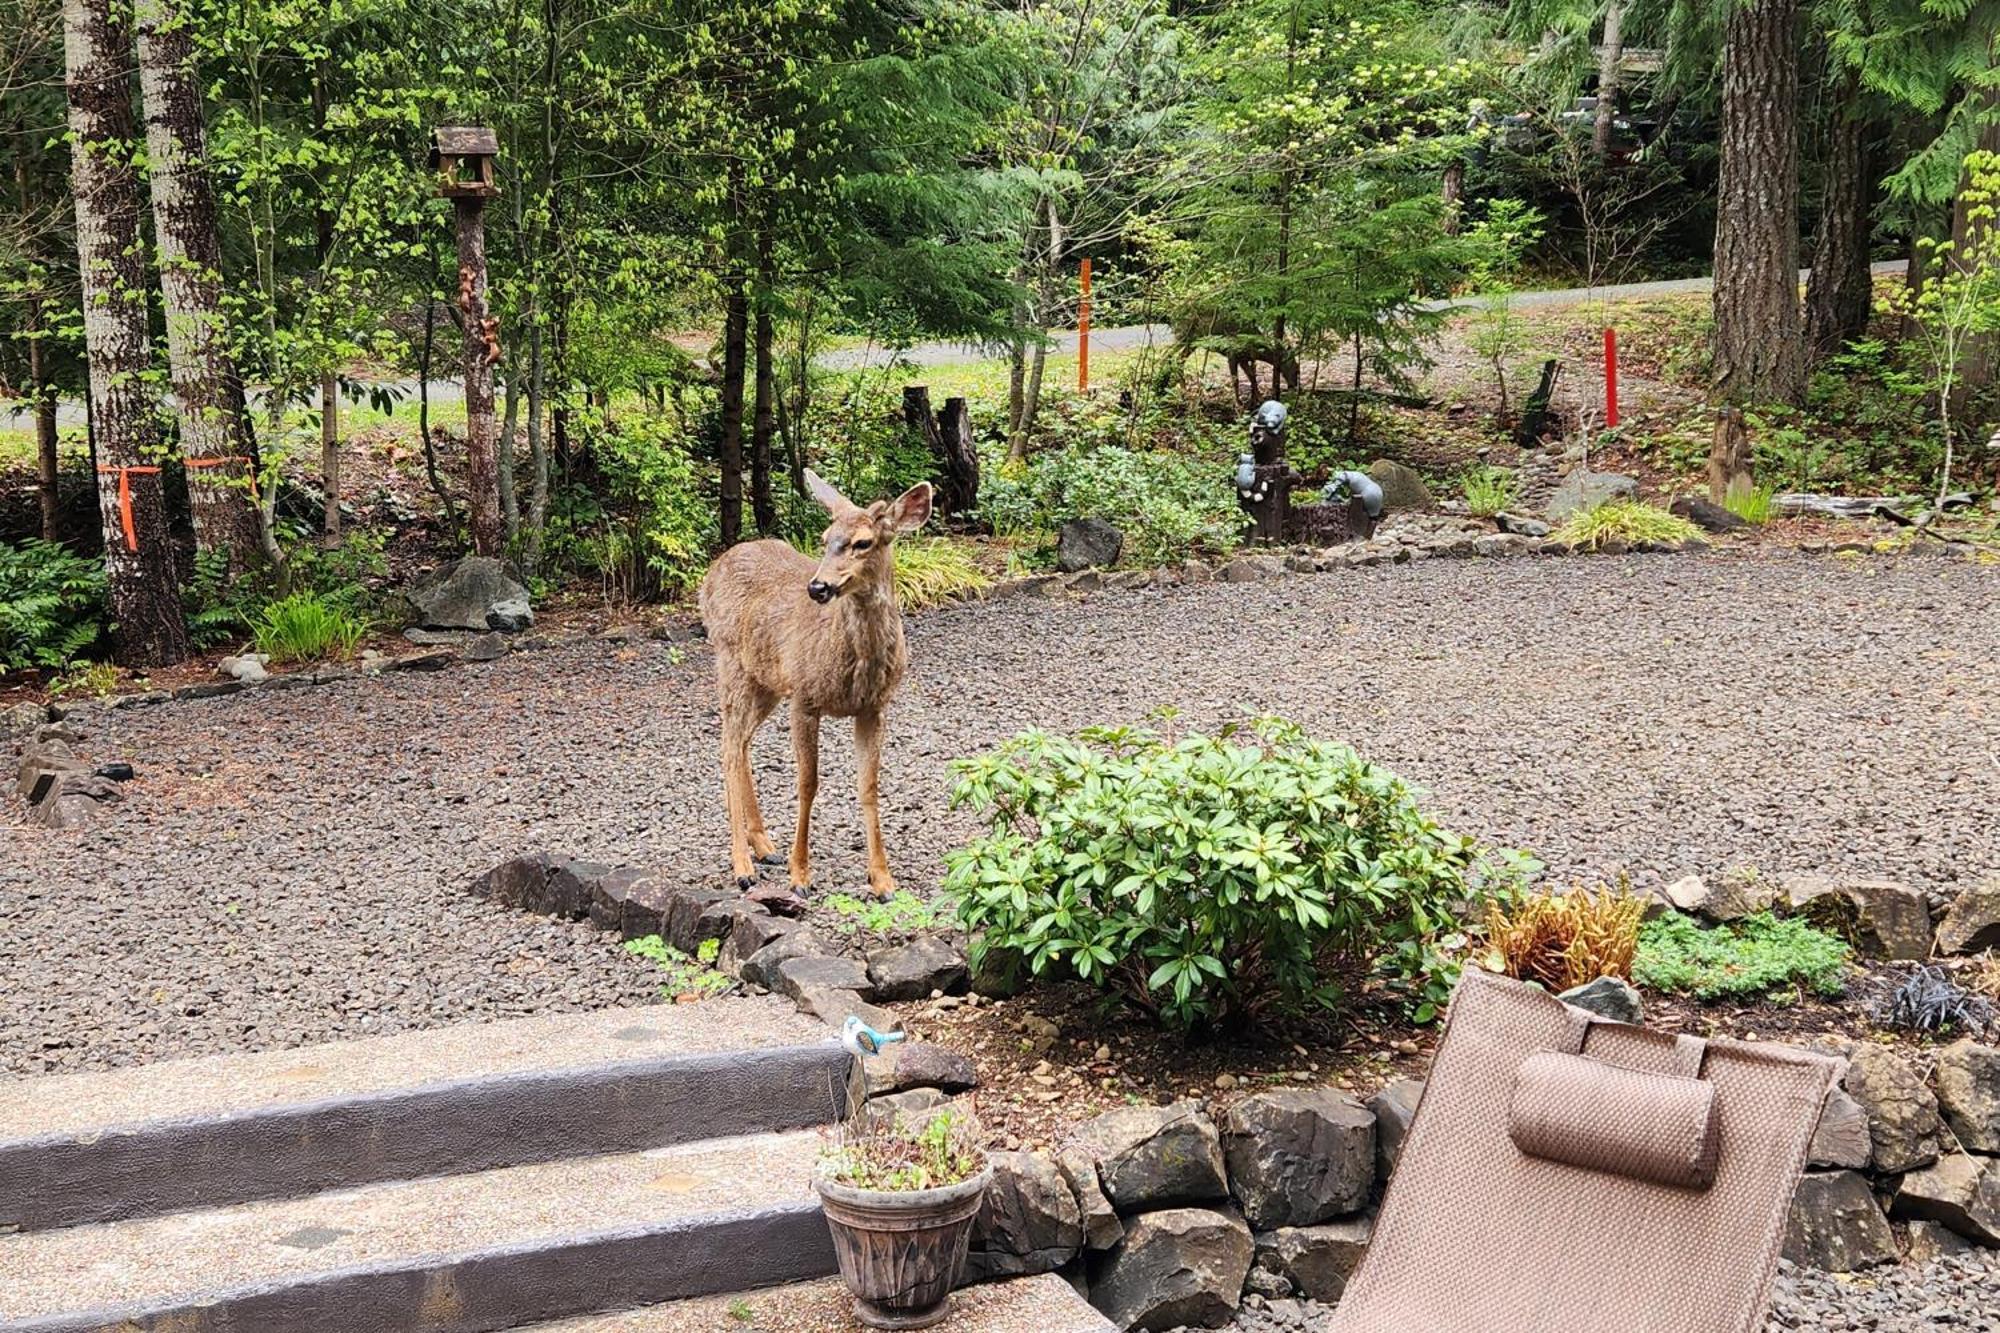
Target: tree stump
[[1729, 475], [948, 437]]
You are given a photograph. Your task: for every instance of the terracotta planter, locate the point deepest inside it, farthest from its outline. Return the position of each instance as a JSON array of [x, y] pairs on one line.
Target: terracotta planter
[[901, 1251]]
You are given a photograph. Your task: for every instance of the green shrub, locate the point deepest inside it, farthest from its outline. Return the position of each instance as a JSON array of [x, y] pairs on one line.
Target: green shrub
[[933, 571], [1628, 522], [1168, 506], [1756, 956], [305, 628], [899, 914], [1490, 490], [51, 606], [1209, 880], [651, 535]]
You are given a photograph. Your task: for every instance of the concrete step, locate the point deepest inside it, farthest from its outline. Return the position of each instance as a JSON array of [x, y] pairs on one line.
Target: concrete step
[[85, 1148], [1045, 1304], [453, 1254]]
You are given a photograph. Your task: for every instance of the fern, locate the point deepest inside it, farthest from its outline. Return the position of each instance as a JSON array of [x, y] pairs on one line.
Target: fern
[[51, 606]]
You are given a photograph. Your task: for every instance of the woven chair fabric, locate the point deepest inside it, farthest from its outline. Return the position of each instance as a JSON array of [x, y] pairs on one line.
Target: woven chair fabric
[[1476, 1236]]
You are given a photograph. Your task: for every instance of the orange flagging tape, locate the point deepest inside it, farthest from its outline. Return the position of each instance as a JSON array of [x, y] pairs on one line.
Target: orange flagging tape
[[125, 497]]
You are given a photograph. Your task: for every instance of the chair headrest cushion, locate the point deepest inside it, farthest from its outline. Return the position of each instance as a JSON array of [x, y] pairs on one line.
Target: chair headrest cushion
[[1583, 1112]]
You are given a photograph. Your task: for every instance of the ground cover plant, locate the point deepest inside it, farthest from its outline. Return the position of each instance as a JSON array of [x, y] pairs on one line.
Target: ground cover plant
[[683, 977], [1761, 955], [51, 605], [1210, 881], [305, 627]]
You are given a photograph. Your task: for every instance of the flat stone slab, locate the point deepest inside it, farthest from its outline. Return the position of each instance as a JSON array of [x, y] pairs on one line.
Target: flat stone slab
[[161, 1263], [81, 1104], [1041, 1304]]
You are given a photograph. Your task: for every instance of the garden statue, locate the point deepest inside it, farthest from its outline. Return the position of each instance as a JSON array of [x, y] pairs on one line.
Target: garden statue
[[1351, 505]]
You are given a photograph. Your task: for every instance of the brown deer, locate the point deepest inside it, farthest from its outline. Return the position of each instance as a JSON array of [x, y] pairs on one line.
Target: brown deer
[[827, 636]]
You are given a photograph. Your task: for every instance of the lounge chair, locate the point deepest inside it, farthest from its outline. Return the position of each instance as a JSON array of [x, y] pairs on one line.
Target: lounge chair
[[1565, 1174]]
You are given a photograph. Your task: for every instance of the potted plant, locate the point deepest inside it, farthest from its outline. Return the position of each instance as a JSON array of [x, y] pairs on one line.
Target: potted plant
[[900, 1203]]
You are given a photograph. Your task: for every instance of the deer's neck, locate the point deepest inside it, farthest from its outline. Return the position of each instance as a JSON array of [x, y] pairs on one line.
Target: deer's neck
[[869, 626]]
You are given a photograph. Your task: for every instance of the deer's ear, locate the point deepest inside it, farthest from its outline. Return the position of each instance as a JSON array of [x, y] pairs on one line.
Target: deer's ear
[[912, 509], [821, 490]]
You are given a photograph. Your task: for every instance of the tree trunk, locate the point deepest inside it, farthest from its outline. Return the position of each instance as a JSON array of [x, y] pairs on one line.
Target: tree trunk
[[139, 563], [735, 333], [214, 435], [1759, 331], [763, 417], [1452, 192], [510, 432], [1839, 290], [1610, 67], [482, 470]]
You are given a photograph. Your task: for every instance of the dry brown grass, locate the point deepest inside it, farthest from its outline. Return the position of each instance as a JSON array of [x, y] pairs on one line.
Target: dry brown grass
[[1565, 940], [1985, 975]]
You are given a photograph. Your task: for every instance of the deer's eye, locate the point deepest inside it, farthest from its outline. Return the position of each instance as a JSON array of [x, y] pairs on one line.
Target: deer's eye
[[863, 544]]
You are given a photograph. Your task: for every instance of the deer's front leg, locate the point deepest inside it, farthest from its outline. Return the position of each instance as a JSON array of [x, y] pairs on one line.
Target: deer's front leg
[[805, 750], [868, 751]]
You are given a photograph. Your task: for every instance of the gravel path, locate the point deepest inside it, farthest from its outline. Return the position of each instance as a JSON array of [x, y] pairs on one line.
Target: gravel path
[[287, 869], [1960, 1293]]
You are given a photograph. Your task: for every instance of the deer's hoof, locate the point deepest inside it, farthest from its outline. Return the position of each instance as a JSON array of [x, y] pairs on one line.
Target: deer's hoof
[[746, 881], [771, 859]]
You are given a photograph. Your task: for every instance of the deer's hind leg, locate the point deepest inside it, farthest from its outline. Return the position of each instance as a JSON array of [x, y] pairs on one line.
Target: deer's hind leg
[[745, 705]]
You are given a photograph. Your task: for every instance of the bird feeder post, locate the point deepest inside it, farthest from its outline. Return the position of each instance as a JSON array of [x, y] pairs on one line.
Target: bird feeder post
[[1610, 378], [464, 158]]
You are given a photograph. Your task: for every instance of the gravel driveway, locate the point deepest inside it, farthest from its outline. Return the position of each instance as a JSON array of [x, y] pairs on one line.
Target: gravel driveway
[[287, 869]]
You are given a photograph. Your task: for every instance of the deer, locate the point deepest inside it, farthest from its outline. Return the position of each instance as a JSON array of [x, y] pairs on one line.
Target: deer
[[826, 635]]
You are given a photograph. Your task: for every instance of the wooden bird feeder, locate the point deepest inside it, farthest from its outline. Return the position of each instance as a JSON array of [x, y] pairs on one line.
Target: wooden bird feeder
[[463, 155]]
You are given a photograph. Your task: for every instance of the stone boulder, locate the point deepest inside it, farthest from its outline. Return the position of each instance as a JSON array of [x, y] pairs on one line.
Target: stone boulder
[[1903, 1125], [1317, 1261], [760, 966], [1101, 1227], [906, 1110], [1961, 1191], [1836, 1226], [476, 593], [1181, 1267], [1608, 997], [919, 1064], [1299, 1156], [1583, 489], [1934, 1240], [1730, 898], [1973, 921], [74, 801], [1968, 1093], [794, 976], [246, 667], [22, 719], [913, 971], [1249, 569], [1841, 1138], [1087, 543], [1156, 1156], [1028, 1222], [1402, 488], [1891, 919], [1394, 1107]]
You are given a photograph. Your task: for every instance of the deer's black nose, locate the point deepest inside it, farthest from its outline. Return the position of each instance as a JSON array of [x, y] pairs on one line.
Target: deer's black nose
[[821, 592]]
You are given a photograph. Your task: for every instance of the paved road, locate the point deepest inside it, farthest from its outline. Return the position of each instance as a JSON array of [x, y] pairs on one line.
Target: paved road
[[1124, 338]]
